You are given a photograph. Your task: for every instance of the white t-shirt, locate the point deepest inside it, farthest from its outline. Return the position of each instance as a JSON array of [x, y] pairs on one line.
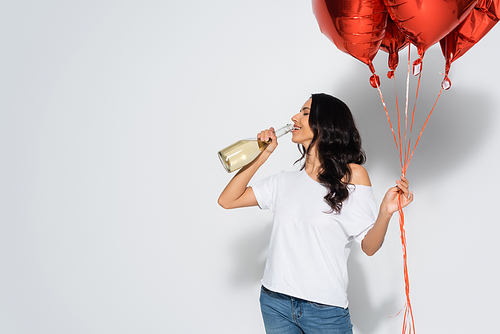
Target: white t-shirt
[[310, 246]]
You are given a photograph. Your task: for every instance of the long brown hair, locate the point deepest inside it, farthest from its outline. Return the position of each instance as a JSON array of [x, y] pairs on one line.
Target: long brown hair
[[338, 144]]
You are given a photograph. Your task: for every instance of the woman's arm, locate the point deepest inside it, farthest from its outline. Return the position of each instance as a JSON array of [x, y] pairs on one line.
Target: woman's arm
[[375, 237], [237, 194]]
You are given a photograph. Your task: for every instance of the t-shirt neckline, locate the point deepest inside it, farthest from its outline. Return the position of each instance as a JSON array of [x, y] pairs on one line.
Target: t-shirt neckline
[[350, 185]]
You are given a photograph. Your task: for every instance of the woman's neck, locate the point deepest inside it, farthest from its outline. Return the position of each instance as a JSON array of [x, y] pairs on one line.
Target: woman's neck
[[313, 164]]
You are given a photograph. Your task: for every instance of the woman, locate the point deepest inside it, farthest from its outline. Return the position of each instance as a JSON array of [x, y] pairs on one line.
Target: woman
[[318, 212]]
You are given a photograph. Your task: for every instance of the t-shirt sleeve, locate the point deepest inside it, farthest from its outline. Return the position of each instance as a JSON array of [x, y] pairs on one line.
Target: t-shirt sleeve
[[362, 212], [265, 192]]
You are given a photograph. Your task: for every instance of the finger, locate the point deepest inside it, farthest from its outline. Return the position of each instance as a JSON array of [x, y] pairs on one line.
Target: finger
[[260, 136], [273, 138], [409, 199], [271, 135], [402, 185], [264, 136], [403, 181], [267, 135]]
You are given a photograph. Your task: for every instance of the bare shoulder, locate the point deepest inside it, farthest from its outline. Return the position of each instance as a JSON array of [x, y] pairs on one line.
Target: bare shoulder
[[359, 175]]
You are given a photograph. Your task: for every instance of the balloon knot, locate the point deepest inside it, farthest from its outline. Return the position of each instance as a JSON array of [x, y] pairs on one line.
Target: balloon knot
[[375, 81], [417, 67], [446, 84]]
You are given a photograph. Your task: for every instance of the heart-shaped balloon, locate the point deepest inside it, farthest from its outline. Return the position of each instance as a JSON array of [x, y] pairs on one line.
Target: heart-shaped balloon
[[357, 27], [476, 25], [394, 40], [425, 22]]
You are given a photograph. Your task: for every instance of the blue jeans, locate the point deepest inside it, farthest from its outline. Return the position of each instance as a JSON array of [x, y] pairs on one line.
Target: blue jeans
[[283, 314]]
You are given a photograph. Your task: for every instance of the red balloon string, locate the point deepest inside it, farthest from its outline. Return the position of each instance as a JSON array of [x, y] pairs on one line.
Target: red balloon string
[[408, 320], [408, 314], [390, 123], [399, 132], [407, 149], [425, 124]]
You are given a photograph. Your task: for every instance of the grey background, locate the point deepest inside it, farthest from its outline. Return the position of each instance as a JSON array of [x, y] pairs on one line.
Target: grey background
[[111, 114]]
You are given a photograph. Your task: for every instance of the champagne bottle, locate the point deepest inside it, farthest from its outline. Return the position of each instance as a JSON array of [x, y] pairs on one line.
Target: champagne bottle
[[245, 151]]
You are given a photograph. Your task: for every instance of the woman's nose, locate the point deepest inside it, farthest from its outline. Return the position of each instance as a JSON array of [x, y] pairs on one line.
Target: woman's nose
[[294, 118]]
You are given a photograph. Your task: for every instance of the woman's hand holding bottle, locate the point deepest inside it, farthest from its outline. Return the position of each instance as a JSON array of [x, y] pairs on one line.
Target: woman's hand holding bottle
[[245, 151], [268, 136]]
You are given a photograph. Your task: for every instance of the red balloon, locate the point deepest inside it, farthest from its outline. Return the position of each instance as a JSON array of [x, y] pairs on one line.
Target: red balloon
[[394, 40], [425, 22], [357, 27], [476, 25]]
